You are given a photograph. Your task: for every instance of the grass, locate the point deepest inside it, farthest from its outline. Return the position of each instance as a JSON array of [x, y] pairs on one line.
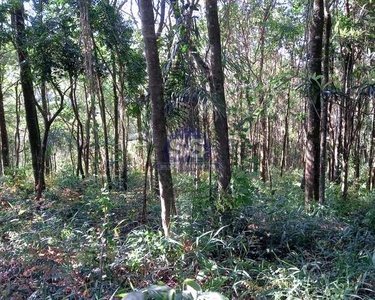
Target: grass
[[84, 243]]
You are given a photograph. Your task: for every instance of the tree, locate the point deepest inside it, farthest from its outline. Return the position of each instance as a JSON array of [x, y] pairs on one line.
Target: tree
[[18, 21], [324, 103], [3, 130], [218, 95], [312, 152], [158, 113]]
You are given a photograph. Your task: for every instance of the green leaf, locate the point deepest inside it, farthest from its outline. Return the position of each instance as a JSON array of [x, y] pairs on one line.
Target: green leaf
[[184, 49], [192, 284], [158, 292]]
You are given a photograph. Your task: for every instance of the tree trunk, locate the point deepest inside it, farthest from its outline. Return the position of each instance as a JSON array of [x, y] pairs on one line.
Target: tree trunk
[[73, 99], [41, 180], [286, 135], [86, 147], [95, 126], [27, 87], [148, 161], [125, 132], [105, 133], [357, 150], [158, 114], [88, 47], [312, 154], [338, 147], [4, 133], [116, 123], [47, 126], [348, 122], [370, 182], [263, 105], [17, 135], [217, 91], [324, 106]]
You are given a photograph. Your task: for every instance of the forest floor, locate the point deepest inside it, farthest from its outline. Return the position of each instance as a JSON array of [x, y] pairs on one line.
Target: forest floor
[[80, 242]]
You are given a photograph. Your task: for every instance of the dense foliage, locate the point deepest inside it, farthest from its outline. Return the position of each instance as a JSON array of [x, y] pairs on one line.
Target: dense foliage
[[81, 242], [187, 149]]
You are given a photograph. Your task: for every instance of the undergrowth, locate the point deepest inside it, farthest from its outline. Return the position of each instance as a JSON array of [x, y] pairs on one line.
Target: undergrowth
[[81, 242]]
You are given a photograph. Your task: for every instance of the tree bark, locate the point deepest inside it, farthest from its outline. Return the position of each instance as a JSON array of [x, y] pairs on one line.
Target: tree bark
[[86, 146], [148, 161], [370, 182], [264, 145], [17, 135], [286, 135], [348, 121], [47, 126], [116, 122], [312, 154], [218, 95], [27, 88], [105, 132], [336, 173], [79, 139], [125, 132], [4, 133], [324, 105], [158, 114]]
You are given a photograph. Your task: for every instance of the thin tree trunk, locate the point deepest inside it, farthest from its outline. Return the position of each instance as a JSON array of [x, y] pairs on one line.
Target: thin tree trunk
[[158, 114], [370, 183], [88, 47], [125, 132], [286, 135], [86, 147], [139, 129], [357, 137], [105, 133], [4, 133], [116, 122], [313, 106], [96, 139], [331, 132], [80, 137], [148, 161], [17, 135], [348, 122], [324, 105], [338, 146], [47, 127]]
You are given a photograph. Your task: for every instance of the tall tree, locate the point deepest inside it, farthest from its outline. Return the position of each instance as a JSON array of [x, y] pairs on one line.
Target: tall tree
[[324, 103], [264, 151], [217, 92], [3, 131], [47, 127], [158, 113], [18, 20], [105, 132], [312, 152]]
